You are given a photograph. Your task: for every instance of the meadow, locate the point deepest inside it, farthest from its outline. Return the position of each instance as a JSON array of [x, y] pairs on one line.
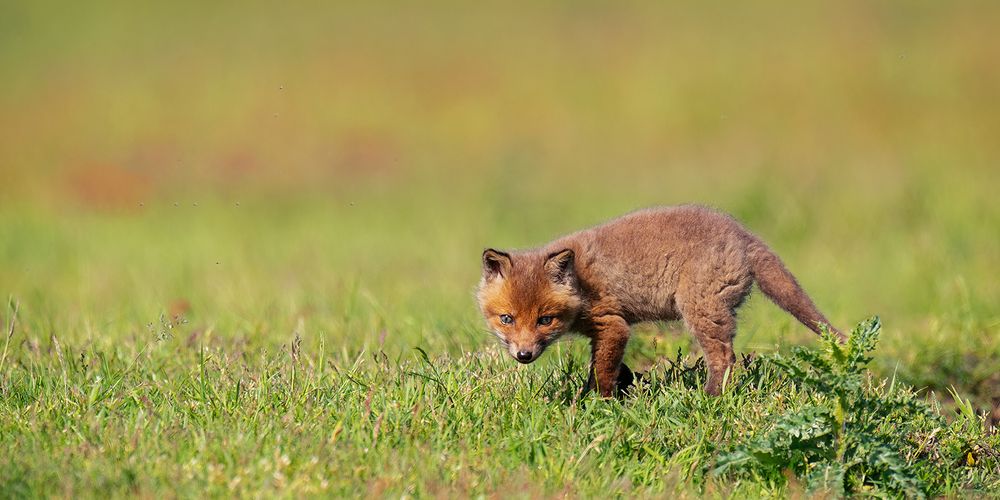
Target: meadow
[[239, 245]]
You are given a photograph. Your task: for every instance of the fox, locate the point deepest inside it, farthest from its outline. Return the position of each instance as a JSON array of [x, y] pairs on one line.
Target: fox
[[686, 262]]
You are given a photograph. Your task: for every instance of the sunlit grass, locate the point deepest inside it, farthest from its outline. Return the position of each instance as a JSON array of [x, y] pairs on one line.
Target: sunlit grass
[[188, 414]]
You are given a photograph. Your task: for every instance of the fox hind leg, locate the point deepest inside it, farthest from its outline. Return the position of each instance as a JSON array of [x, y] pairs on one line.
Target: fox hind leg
[[714, 332], [708, 301], [713, 323]]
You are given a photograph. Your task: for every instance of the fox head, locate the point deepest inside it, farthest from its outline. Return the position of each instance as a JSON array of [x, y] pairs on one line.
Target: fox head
[[529, 300]]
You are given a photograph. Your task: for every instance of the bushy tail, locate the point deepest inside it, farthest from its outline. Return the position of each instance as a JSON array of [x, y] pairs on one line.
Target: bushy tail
[[781, 287]]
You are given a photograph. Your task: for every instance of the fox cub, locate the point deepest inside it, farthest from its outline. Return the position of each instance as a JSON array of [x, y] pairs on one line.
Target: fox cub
[[686, 262]]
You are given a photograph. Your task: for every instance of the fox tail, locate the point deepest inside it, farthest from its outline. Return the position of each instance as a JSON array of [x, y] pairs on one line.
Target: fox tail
[[783, 289]]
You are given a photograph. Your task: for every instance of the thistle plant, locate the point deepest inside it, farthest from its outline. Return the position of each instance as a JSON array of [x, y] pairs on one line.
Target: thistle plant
[[848, 435]]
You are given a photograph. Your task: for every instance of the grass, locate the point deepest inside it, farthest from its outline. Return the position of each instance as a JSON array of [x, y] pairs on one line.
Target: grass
[[180, 415], [230, 234]]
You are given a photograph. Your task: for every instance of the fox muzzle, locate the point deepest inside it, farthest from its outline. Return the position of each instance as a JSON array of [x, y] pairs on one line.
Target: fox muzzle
[[525, 354]]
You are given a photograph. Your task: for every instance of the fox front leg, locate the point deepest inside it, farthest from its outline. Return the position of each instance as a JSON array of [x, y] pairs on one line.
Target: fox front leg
[[607, 348], [626, 379]]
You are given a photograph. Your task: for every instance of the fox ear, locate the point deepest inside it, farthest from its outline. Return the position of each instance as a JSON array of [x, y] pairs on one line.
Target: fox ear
[[495, 264], [559, 265]]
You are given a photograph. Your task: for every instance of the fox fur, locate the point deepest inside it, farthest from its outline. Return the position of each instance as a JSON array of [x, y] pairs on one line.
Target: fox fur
[[668, 263]]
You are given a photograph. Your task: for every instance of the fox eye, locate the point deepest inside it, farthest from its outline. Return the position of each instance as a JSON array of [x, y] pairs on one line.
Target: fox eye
[[506, 319], [545, 320]]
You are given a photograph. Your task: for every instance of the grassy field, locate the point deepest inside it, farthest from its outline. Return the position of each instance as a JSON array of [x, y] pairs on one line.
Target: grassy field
[[238, 244]]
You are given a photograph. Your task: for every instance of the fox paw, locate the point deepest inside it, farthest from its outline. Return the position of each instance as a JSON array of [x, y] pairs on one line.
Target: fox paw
[[627, 381]]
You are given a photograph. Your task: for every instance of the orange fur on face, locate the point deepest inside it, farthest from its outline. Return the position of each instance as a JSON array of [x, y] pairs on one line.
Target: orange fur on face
[[669, 263], [526, 291]]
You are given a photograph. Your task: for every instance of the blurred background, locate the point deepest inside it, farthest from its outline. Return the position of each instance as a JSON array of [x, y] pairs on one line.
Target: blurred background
[[247, 171]]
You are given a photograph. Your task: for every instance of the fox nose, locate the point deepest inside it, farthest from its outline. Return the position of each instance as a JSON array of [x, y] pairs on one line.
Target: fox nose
[[525, 356]]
